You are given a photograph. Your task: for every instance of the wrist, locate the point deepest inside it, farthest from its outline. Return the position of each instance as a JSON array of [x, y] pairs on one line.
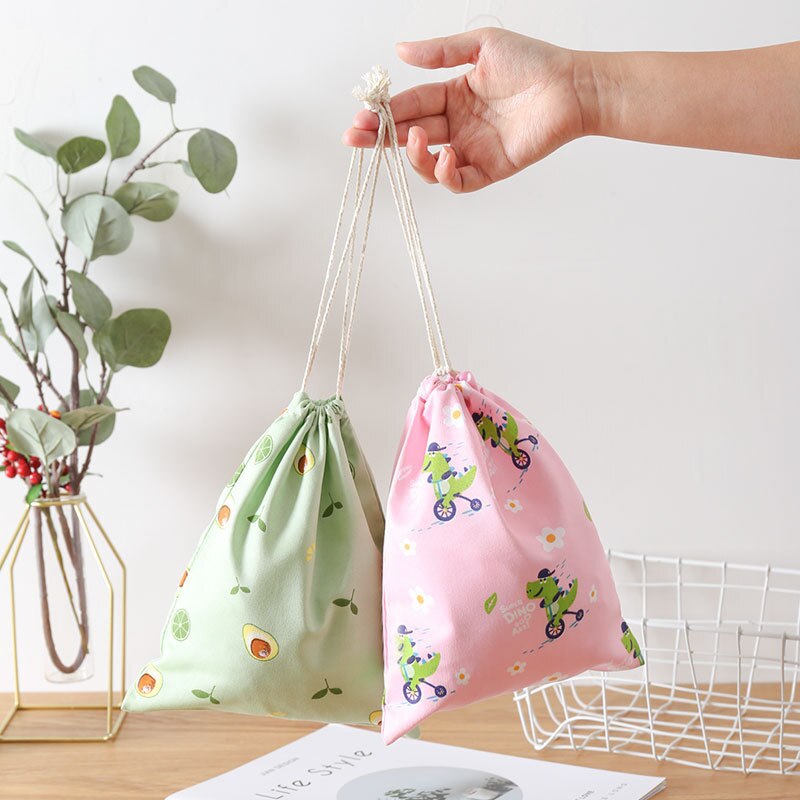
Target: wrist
[[598, 91]]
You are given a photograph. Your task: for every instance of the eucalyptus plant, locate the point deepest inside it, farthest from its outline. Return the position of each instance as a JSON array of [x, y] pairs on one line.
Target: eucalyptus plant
[[49, 447]]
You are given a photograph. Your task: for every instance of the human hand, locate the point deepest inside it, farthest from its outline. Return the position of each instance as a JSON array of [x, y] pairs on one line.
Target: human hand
[[518, 104]]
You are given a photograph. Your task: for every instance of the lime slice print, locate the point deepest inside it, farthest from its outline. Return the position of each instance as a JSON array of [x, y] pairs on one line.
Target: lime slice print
[[181, 625], [236, 475], [264, 449]]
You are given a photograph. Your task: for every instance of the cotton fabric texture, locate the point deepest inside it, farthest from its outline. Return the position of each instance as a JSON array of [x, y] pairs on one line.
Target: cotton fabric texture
[[494, 575], [278, 611]]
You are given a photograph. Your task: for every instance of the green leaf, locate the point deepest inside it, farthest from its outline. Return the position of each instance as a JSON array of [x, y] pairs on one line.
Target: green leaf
[[37, 145], [11, 389], [90, 300], [153, 201], [319, 695], [155, 83], [342, 602], [34, 492], [187, 167], [235, 590], [97, 225], [34, 433], [200, 693], [15, 248], [354, 608], [252, 518], [337, 504], [71, 326], [122, 128], [214, 700], [105, 428], [328, 511], [43, 325], [586, 511], [138, 337], [490, 603], [30, 192], [101, 340], [262, 526], [245, 589], [335, 690], [79, 153], [87, 416], [25, 312], [212, 158]]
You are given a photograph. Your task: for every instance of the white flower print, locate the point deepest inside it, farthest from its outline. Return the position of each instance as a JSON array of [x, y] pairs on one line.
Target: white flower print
[[419, 600], [462, 677], [419, 490], [408, 547], [551, 538], [453, 415], [513, 505], [403, 472], [593, 594], [556, 676], [517, 667]]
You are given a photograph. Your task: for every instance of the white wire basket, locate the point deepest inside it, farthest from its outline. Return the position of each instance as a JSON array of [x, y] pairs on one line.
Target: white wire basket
[[718, 689]]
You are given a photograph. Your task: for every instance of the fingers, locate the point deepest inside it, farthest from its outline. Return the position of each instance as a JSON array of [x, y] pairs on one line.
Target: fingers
[[365, 125], [423, 161], [443, 167], [446, 51]]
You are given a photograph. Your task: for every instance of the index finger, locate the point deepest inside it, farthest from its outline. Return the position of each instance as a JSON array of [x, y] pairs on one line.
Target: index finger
[[426, 100]]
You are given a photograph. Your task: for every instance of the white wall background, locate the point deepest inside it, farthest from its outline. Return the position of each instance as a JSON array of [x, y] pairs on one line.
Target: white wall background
[[647, 316]]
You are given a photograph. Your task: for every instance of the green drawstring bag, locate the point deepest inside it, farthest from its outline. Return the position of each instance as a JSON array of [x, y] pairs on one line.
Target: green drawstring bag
[[279, 610]]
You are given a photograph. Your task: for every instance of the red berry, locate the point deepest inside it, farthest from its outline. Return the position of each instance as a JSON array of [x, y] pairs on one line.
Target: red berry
[[13, 455], [11, 471], [23, 469], [68, 488], [2, 424], [40, 407], [36, 479], [35, 462]]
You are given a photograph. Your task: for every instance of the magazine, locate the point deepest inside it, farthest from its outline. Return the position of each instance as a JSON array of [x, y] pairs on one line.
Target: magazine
[[343, 763]]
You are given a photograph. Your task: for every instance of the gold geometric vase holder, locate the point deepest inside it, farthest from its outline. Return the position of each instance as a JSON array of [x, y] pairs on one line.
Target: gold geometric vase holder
[[114, 715]]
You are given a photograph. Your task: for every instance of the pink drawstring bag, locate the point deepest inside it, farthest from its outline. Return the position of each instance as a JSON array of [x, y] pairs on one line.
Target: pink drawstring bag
[[494, 575]]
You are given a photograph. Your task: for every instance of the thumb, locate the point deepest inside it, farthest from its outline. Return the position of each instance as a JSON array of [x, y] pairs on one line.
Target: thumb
[[445, 51]]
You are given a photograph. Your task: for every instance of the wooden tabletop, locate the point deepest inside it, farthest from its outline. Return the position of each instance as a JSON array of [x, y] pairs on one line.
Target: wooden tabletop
[[158, 753]]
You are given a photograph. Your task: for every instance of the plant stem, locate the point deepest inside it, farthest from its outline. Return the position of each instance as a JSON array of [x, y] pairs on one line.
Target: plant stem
[[141, 162]]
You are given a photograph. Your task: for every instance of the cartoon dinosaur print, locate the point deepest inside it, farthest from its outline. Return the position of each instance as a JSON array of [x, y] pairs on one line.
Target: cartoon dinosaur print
[[631, 645], [554, 600], [415, 669], [448, 484], [505, 436]]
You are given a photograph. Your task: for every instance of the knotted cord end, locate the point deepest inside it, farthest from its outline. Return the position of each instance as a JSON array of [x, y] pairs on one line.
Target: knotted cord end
[[376, 90]]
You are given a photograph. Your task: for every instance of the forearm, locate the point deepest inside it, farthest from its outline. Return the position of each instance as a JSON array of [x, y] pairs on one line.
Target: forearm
[[746, 101]]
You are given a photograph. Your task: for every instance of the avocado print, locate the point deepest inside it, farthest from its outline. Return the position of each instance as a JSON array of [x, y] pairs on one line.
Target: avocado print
[[224, 512], [304, 460], [259, 644], [149, 682]]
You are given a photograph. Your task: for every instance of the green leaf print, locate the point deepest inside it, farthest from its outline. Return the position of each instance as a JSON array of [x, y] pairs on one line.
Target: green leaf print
[[344, 602], [334, 505], [239, 588], [206, 695], [323, 692], [586, 511], [254, 519], [490, 603]]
